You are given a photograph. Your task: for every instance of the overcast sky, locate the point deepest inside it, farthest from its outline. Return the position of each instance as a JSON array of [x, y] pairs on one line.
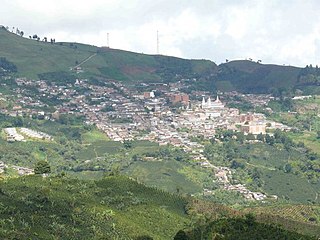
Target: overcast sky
[[274, 31]]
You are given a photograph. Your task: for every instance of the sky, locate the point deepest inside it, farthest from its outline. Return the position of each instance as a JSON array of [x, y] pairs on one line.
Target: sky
[[273, 31]]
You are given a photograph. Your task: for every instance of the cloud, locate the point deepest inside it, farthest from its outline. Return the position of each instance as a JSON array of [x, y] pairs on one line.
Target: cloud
[[274, 31]]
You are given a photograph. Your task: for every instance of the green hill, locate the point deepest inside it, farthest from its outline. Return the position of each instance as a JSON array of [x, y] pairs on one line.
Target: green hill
[[36, 207], [35, 59], [38, 59], [248, 76], [62, 208]]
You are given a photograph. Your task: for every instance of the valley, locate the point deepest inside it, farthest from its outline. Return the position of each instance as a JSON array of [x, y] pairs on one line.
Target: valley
[[108, 134]]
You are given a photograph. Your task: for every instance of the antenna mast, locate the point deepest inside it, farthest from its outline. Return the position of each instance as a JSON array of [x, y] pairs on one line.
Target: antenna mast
[[108, 40], [157, 42]]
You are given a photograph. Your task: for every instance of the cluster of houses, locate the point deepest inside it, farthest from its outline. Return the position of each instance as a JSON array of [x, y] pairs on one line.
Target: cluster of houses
[[35, 134], [13, 135], [20, 170], [123, 113], [223, 176], [165, 115]]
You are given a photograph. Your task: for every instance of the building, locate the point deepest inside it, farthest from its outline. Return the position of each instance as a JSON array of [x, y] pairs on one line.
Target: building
[[147, 95], [253, 128], [179, 98], [246, 117], [215, 105]]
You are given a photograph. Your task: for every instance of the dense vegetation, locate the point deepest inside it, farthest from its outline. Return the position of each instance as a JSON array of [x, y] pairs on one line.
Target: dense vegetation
[[6, 67], [61, 208], [238, 228], [275, 165], [36, 207]]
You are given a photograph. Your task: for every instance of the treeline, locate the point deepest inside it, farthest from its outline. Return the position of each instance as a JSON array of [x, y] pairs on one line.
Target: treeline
[[309, 75]]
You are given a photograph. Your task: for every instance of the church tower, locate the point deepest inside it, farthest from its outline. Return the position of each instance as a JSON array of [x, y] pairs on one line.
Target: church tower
[[203, 104]]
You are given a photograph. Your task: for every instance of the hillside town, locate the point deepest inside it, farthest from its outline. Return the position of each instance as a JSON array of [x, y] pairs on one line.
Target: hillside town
[[163, 114]]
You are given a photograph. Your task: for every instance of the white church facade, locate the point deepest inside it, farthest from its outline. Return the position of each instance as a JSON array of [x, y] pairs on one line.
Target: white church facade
[[211, 108]]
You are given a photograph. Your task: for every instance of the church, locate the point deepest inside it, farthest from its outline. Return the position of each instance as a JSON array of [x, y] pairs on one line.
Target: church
[[212, 105]]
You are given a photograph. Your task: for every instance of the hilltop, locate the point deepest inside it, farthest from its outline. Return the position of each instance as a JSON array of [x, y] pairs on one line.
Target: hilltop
[[63, 60], [37, 59], [248, 76]]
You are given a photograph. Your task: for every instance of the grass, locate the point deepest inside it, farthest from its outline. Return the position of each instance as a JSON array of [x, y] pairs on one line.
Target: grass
[[86, 175], [308, 138], [98, 149], [289, 186], [270, 161], [94, 136], [62, 208], [165, 175], [33, 58], [269, 157]]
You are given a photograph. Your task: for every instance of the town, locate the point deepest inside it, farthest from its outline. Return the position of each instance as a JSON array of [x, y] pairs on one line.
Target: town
[[158, 112]]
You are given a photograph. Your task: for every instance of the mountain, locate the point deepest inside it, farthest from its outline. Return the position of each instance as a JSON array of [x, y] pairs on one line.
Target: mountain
[[248, 76], [56, 61], [36, 59]]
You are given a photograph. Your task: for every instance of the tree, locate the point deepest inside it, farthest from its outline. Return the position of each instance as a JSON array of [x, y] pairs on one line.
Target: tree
[[212, 140], [127, 144], [237, 164], [42, 167], [269, 139], [260, 137], [181, 235], [18, 122], [240, 137], [287, 168], [250, 219], [250, 136], [108, 108]]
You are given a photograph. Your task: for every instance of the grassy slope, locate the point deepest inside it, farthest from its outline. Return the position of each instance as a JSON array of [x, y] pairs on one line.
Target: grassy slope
[[304, 219], [253, 77], [33, 58], [111, 208], [270, 161], [164, 175], [60, 208]]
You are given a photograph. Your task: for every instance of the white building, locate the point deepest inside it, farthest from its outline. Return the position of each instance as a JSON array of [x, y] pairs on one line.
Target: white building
[[215, 105]]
